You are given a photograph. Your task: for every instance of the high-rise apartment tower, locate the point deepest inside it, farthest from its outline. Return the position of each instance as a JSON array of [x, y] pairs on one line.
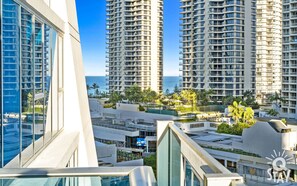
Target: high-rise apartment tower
[[269, 48], [289, 66], [135, 44], [218, 46]]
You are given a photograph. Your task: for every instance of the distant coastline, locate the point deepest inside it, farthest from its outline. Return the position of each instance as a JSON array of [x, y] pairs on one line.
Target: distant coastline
[[169, 82]]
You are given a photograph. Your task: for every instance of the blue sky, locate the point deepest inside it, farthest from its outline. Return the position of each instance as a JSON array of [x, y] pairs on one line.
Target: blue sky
[[91, 18]]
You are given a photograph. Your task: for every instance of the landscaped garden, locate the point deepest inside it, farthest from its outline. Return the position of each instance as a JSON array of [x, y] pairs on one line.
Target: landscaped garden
[[243, 118]]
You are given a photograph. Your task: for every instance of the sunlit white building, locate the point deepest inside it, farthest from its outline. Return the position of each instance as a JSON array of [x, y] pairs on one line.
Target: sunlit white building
[[134, 44], [218, 46], [289, 66], [269, 49]]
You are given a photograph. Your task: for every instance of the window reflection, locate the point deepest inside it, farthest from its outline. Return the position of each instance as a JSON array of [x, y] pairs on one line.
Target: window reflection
[[32, 97], [27, 85], [11, 81], [39, 91], [54, 86], [47, 83]]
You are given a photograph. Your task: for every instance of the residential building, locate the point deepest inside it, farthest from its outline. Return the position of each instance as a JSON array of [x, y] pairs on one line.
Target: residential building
[[218, 46], [269, 49], [289, 66], [134, 44]]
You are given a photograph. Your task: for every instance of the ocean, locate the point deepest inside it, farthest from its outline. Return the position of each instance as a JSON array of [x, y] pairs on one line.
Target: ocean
[[169, 82]]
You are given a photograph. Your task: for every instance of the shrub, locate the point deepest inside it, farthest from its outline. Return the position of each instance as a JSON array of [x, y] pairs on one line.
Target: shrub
[[255, 106], [224, 128], [235, 129], [141, 108], [151, 161], [284, 121], [108, 105], [272, 112], [184, 109]]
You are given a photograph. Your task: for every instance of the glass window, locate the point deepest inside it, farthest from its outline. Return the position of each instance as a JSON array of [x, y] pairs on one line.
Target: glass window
[[47, 68], [32, 84], [39, 87], [61, 84], [27, 68], [54, 84], [10, 83]]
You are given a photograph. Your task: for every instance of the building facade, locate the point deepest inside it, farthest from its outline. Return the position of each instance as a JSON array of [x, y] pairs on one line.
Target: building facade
[[218, 46], [135, 44], [40, 113], [289, 66], [269, 49]]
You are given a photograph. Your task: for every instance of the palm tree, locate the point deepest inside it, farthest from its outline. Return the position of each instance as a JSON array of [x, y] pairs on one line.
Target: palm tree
[[249, 98], [203, 96], [276, 98], [236, 111], [247, 94], [208, 94], [88, 88], [227, 100], [95, 87], [176, 89]]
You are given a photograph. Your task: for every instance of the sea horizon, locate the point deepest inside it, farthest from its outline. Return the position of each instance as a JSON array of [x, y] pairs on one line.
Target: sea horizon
[[169, 82]]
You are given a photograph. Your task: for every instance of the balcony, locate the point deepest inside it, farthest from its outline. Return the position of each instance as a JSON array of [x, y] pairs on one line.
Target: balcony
[[132, 176], [179, 156]]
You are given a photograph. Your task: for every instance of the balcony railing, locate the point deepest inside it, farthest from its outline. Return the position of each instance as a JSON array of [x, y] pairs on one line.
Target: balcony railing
[[132, 176], [181, 161]]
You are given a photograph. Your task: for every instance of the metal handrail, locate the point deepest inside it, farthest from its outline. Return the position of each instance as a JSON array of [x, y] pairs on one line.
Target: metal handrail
[[142, 175], [67, 172]]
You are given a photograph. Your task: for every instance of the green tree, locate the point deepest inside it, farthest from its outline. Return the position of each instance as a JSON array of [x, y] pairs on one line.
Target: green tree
[[249, 99], [88, 87], [204, 96], [115, 97], [30, 102], [276, 98], [149, 95], [152, 162], [95, 86], [272, 112], [236, 111], [248, 116], [176, 96], [228, 100], [176, 89], [167, 92], [284, 121], [133, 93], [97, 92], [190, 97]]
